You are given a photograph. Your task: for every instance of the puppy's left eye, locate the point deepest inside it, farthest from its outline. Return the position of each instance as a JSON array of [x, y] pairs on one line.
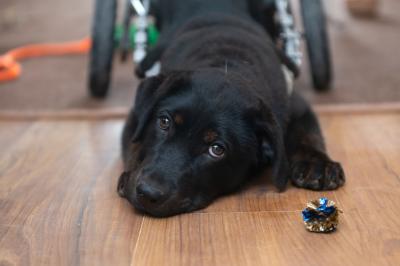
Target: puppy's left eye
[[216, 151], [164, 122]]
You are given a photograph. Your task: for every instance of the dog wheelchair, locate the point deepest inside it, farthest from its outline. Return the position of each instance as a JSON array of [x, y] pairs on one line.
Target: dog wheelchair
[[139, 35]]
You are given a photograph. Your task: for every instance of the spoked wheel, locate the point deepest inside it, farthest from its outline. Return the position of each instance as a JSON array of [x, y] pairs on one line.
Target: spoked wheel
[[101, 54], [317, 43]]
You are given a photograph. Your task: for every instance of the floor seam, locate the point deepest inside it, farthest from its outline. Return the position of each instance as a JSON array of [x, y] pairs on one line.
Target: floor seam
[[214, 212], [137, 242], [121, 112]]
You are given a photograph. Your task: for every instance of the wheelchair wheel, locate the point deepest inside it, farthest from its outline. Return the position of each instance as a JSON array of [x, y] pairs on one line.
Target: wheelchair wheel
[[317, 43], [101, 54]]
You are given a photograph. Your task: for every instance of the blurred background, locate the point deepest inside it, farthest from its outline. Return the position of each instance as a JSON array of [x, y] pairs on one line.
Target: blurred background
[[365, 55]]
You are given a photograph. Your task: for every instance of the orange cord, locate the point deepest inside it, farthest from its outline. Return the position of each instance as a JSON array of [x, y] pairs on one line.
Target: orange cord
[[10, 69]]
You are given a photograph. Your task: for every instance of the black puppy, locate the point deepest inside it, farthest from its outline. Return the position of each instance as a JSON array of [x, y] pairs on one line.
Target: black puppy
[[218, 113]]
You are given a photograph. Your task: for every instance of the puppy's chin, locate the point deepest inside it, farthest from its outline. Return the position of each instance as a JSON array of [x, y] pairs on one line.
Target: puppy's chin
[[122, 181], [175, 204], [171, 207]]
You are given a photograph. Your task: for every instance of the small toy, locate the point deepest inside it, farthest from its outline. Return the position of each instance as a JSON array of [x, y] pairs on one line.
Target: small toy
[[321, 216]]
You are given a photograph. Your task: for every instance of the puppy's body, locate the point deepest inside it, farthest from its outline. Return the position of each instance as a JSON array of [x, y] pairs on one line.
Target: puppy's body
[[221, 88]]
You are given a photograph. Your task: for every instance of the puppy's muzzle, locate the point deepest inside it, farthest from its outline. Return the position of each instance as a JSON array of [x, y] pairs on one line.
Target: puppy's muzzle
[[150, 194]]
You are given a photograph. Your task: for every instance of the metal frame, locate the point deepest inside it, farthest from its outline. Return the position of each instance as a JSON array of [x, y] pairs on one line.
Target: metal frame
[[290, 37], [142, 9]]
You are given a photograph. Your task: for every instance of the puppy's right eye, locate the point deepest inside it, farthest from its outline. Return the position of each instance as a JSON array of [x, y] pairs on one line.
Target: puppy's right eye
[[216, 151], [164, 122]]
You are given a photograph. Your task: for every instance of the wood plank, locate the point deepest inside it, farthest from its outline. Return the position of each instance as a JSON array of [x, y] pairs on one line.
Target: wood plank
[[260, 227], [57, 196], [258, 238], [9, 131], [106, 113], [58, 204]]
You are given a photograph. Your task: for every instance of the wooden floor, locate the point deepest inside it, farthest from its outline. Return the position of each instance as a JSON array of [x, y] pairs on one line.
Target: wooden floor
[[58, 204]]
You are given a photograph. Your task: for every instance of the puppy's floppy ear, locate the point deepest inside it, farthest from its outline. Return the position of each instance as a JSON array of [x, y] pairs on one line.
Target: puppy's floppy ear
[[272, 148], [150, 91], [144, 103]]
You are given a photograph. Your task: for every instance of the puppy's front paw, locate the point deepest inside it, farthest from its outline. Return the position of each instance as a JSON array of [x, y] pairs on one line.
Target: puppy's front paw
[[317, 174]]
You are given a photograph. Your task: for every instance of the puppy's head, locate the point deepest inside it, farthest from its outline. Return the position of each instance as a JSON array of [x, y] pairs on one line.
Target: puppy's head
[[193, 136]]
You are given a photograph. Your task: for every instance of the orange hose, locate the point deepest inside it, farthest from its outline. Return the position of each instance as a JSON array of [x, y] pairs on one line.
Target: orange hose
[[10, 68]]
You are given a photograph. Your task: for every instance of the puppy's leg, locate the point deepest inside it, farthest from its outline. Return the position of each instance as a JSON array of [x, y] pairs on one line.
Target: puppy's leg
[[311, 167]]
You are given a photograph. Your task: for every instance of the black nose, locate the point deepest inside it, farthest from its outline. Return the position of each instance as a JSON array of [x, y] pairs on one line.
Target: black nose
[[149, 195]]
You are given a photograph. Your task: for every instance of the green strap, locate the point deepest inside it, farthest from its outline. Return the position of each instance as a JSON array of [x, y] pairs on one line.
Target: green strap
[[152, 35]]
